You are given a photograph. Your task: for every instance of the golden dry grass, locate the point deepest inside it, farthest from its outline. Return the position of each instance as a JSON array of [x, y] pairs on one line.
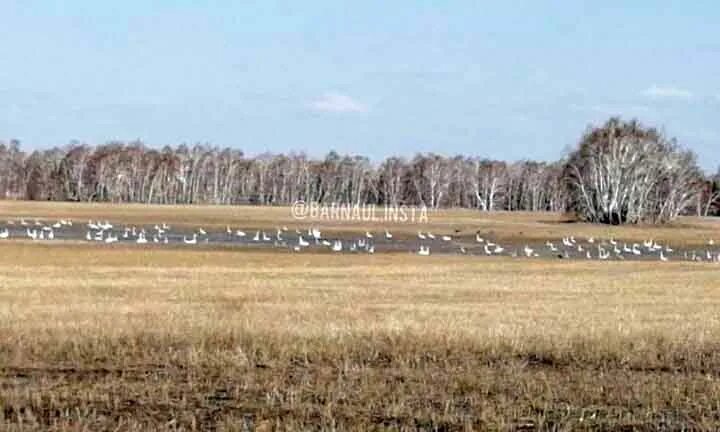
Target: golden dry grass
[[123, 338]]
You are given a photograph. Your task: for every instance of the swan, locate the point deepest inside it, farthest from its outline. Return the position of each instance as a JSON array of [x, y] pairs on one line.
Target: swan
[[51, 235], [368, 234], [141, 239], [4, 234], [302, 242], [431, 235], [265, 236], [337, 246], [498, 249], [388, 236], [421, 236], [316, 233], [663, 257], [240, 233], [192, 240], [88, 236], [202, 231], [424, 251], [257, 236], [478, 238], [528, 251], [487, 250], [446, 238]]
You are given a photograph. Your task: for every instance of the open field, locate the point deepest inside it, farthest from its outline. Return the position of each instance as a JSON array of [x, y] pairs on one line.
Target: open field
[[126, 338], [504, 226]]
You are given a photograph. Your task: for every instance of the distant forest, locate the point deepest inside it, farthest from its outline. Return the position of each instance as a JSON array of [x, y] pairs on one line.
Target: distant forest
[[204, 174]]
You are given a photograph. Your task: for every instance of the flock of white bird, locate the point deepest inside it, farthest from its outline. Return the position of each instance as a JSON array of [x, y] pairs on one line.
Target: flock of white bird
[[567, 248]]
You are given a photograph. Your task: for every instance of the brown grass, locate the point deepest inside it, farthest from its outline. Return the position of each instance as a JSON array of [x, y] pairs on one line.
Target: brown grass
[[123, 338]]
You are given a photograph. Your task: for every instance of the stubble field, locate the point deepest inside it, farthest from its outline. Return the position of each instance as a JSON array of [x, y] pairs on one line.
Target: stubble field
[[120, 337]]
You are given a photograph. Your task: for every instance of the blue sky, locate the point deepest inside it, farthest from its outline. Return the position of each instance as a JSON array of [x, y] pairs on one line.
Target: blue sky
[[507, 80]]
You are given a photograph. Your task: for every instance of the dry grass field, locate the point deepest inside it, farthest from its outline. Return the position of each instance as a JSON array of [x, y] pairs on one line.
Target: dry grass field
[[129, 338]]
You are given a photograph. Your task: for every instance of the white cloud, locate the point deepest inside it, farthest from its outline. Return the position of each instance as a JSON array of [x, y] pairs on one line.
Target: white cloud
[[338, 103], [667, 93]]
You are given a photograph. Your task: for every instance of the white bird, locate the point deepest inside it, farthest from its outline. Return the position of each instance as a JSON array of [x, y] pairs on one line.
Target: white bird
[[51, 235], [265, 237], [498, 249], [431, 235], [5, 233], [202, 231], [141, 239], [663, 257], [528, 251], [316, 233], [337, 246], [111, 238], [240, 233], [478, 238], [424, 251], [88, 236], [368, 234], [302, 242], [487, 250], [192, 240], [388, 236], [257, 236], [421, 236], [446, 238]]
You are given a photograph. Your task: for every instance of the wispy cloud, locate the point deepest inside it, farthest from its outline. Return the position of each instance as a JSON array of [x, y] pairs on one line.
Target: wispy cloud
[[667, 93], [338, 103]]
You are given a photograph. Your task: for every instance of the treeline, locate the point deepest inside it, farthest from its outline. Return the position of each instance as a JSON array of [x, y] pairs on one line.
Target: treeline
[[204, 174]]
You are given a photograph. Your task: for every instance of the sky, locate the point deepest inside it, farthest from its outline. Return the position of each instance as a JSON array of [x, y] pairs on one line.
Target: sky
[[506, 80]]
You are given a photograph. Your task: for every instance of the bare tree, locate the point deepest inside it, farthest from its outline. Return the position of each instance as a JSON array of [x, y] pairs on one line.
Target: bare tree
[[626, 173]]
